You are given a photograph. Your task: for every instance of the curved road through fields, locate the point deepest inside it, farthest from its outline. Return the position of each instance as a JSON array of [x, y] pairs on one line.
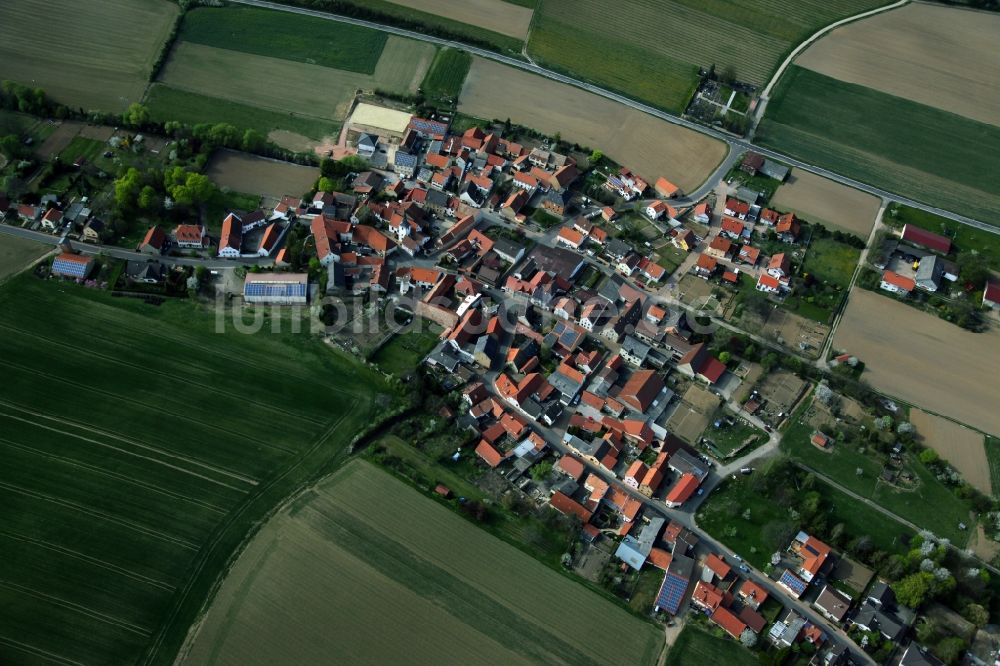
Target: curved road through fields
[[735, 144]]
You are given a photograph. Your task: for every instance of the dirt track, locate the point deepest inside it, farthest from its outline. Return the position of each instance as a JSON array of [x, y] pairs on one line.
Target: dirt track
[[962, 447], [819, 199], [496, 15], [651, 147], [924, 360], [943, 57]]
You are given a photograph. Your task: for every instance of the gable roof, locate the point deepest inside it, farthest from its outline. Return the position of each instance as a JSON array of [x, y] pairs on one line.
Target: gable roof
[[566, 505], [729, 622], [928, 239], [716, 565], [641, 389], [899, 281]]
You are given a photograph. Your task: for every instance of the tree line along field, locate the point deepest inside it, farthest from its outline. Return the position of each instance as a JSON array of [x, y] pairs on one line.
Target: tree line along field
[[914, 150], [652, 49], [363, 568], [229, 66], [92, 55], [139, 448]]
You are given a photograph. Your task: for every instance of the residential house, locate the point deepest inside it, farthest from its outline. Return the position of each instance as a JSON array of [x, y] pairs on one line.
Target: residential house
[[702, 213], [636, 473], [92, 231], [684, 239], [682, 490], [189, 236], [897, 284], [570, 237], [706, 266], [657, 208], [751, 594], [665, 188], [916, 655], [779, 266], [146, 272], [748, 255], [736, 208], [929, 273], [698, 362], [832, 603], [752, 163], [555, 202], [732, 228], [154, 243], [720, 248], [788, 228], [770, 284], [231, 238], [728, 622], [52, 219], [72, 265]]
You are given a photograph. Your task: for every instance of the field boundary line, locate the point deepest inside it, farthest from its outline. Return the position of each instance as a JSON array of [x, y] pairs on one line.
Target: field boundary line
[[199, 565], [135, 401], [68, 552], [124, 522], [111, 359], [83, 610], [115, 475], [39, 652], [140, 445]]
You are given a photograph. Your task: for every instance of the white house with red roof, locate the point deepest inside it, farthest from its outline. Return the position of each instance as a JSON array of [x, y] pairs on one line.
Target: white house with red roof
[[897, 284]]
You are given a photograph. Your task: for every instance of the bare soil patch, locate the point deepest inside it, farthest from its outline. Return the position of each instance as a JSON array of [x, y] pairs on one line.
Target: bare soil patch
[[496, 15], [781, 389], [829, 203], [692, 415], [791, 330], [983, 547], [920, 52], [962, 447], [248, 173], [924, 360], [58, 140], [645, 144]]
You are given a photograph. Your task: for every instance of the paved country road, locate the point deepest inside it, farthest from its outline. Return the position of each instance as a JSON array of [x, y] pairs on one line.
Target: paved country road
[[736, 145]]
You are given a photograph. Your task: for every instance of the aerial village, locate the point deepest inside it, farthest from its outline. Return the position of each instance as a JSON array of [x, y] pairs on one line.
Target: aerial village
[[563, 334]]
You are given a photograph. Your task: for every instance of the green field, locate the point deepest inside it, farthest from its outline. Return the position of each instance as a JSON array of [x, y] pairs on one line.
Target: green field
[[166, 103], [630, 50], [447, 74], [415, 19], [963, 237], [904, 147], [16, 253], [369, 569], [88, 149], [404, 352], [697, 646], [728, 439], [286, 35], [140, 446], [95, 55], [931, 505], [992, 445]]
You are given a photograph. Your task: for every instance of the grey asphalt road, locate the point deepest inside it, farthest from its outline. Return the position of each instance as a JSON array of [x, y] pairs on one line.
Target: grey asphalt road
[[736, 145]]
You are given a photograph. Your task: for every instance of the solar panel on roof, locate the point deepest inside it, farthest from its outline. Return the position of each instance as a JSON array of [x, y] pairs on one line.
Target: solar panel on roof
[[671, 593], [71, 268], [792, 582]]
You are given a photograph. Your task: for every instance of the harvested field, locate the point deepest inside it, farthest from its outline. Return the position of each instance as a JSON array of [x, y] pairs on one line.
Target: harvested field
[[651, 147], [496, 15], [961, 446], [919, 52], [364, 569], [16, 254], [104, 54], [291, 87], [922, 359], [241, 172], [902, 146], [827, 202]]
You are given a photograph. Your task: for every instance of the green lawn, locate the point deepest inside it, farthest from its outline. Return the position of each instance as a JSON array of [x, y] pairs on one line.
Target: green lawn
[[697, 646], [223, 203], [993, 455], [133, 470], [722, 516], [728, 439], [447, 74], [670, 257], [907, 148], [646, 590], [831, 262], [963, 237], [931, 506], [166, 103], [88, 149], [285, 35], [404, 352]]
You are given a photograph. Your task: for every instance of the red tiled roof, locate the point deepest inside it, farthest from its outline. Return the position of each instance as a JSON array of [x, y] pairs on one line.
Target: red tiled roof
[[768, 281], [154, 238], [733, 226], [665, 187], [188, 233], [683, 489], [565, 504], [753, 619], [706, 262], [640, 390], [489, 454], [897, 280], [717, 565], [659, 558], [707, 595], [729, 622], [928, 239], [720, 244]]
